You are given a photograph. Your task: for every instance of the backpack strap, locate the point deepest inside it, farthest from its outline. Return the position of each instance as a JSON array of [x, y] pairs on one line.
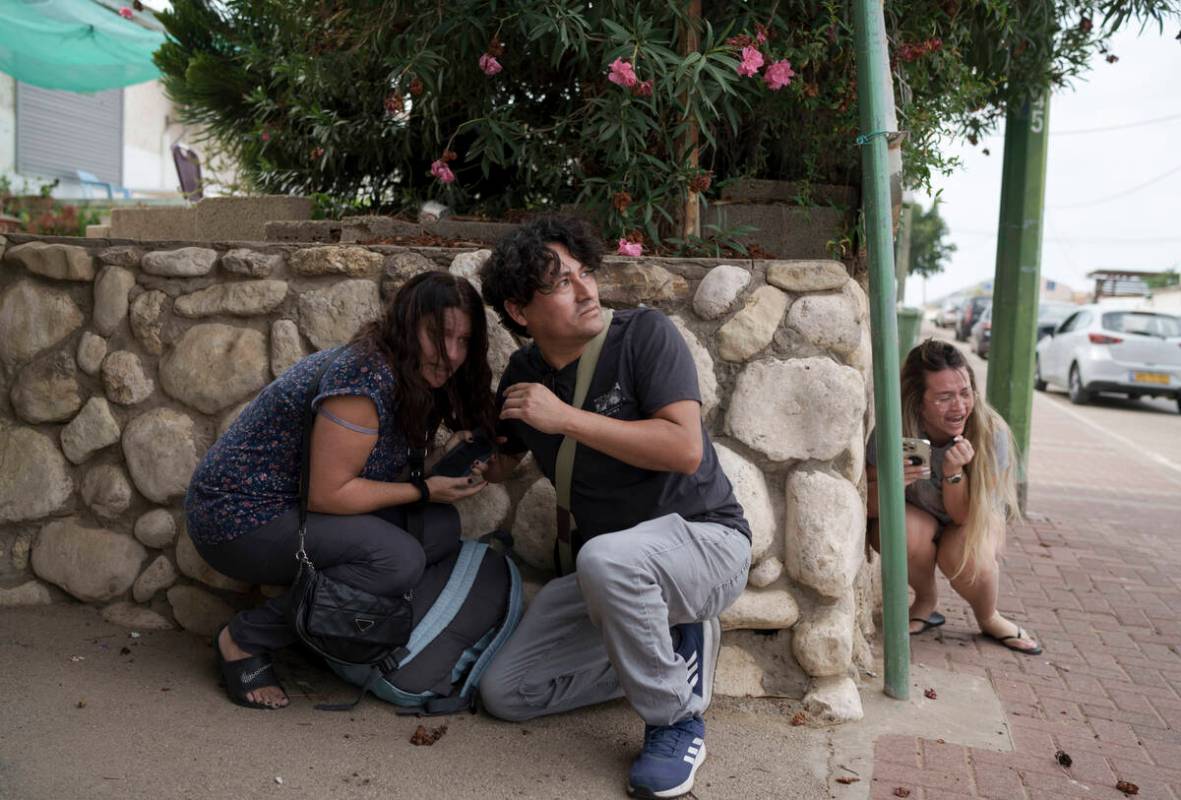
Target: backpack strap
[[564, 465], [449, 601]]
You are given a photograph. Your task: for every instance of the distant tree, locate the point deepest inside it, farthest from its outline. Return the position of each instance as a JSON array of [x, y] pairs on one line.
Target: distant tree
[[1169, 277], [929, 248]]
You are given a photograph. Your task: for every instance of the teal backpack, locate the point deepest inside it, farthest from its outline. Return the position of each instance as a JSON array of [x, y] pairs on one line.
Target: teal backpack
[[465, 609]]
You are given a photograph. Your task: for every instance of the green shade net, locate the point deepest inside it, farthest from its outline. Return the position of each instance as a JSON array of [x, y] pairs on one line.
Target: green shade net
[[75, 45]]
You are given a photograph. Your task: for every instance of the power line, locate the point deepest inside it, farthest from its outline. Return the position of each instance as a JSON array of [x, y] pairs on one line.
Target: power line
[[1124, 126], [1124, 240], [1124, 193]]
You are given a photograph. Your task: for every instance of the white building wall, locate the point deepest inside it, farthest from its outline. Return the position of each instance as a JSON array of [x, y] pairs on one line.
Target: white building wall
[[7, 124]]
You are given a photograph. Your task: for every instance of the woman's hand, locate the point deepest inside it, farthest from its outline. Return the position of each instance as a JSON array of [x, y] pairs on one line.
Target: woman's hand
[[449, 490], [912, 473], [457, 438], [958, 456]]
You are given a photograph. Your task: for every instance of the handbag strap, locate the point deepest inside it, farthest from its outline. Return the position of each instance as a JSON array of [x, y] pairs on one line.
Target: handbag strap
[[309, 417], [564, 467]]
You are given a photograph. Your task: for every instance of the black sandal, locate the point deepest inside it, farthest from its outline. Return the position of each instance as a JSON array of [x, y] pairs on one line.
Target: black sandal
[[244, 675]]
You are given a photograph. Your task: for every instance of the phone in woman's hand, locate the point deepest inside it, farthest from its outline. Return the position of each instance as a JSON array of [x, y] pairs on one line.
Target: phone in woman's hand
[[457, 462], [916, 452]]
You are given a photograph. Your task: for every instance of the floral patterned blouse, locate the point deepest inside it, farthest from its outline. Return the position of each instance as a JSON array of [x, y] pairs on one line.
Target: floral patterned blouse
[[251, 474]]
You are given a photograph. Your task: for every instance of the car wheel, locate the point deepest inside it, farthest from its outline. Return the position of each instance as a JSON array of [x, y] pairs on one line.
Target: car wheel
[[1179, 404], [1038, 382], [1078, 395]]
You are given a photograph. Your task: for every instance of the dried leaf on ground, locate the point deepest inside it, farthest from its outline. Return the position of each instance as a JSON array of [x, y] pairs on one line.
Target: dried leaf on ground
[[1064, 758], [902, 791], [423, 736], [1127, 787], [800, 718], [846, 779], [930, 694]]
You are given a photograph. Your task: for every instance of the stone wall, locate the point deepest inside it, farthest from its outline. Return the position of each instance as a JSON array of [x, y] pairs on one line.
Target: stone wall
[[120, 362]]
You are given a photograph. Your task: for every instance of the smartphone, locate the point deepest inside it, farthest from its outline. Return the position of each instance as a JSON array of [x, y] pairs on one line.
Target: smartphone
[[457, 462], [916, 452]]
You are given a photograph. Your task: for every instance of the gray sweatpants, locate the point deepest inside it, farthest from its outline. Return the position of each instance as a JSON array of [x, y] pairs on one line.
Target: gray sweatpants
[[604, 632]]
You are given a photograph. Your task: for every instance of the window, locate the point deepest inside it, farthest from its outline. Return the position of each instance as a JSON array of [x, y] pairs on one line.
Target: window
[[1143, 324], [59, 133]]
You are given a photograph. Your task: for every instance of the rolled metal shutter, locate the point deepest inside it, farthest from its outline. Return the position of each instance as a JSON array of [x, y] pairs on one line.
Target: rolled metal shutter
[[58, 133]]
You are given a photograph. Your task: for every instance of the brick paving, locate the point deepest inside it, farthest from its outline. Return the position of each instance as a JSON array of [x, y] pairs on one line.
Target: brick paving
[[1095, 572]]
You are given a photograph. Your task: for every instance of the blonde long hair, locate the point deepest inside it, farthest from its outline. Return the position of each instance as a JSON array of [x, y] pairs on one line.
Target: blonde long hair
[[992, 499]]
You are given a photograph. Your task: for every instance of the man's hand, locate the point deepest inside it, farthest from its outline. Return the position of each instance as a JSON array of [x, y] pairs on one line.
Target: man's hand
[[536, 406], [957, 456]]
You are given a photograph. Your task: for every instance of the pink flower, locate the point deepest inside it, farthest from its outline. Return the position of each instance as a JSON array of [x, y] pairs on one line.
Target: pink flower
[[265, 135], [778, 75], [622, 73], [627, 248], [489, 65], [441, 171], [760, 34], [752, 60], [642, 89], [126, 12]]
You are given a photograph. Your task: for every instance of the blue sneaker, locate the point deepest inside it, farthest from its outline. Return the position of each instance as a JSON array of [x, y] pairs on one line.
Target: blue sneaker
[[698, 646], [671, 756]]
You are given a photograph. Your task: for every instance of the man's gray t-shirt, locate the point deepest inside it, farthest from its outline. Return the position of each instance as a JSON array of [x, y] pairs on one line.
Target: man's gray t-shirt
[[927, 493], [644, 366]]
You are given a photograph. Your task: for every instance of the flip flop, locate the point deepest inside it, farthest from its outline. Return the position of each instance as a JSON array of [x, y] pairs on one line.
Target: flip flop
[[244, 675], [933, 621], [1006, 641]]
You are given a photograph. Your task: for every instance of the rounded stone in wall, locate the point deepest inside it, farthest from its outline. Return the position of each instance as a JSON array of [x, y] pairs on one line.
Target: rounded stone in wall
[[137, 618], [157, 528], [34, 318], [240, 299], [34, 477], [807, 276], [161, 453], [187, 262], [750, 489], [823, 641], [825, 532], [719, 290], [94, 428], [769, 608], [197, 610], [106, 490], [146, 324], [752, 328], [124, 378], [92, 564], [625, 283], [707, 381], [828, 321], [484, 511], [401, 267], [29, 593], [47, 390], [122, 256], [349, 260], [214, 366], [501, 345], [765, 572], [333, 315], [251, 263], [159, 575], [62, 262], [92, 350], [110, 298], [807, 408], [834, 699], [467, 265], [286, 347], [533, 526]]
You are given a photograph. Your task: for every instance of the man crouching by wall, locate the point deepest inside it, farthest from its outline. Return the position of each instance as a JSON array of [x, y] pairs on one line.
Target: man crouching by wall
[[664, 544]]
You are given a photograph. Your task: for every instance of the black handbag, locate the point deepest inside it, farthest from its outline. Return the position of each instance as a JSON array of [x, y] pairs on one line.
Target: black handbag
[[337, 621]]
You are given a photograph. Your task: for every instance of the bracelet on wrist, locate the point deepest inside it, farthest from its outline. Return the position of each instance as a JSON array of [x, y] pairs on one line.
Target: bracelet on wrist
[[424, 491]]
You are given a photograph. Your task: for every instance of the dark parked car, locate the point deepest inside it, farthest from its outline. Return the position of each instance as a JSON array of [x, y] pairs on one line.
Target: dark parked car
[[981, 336], [969, 316]]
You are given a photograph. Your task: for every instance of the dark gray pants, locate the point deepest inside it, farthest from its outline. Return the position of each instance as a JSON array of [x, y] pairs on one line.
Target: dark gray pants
[[372, 552]]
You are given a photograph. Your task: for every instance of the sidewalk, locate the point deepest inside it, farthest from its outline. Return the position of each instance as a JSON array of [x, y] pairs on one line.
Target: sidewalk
[[1095, 572]]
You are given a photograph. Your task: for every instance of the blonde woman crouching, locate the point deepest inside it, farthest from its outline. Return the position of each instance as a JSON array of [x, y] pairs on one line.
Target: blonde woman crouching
[[956, 509]]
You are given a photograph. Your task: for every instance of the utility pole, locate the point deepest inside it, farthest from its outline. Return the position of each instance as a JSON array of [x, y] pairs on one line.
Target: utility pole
[[1017, 283], [875, 102]]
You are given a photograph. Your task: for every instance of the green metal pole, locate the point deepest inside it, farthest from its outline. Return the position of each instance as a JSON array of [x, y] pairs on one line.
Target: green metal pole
[[1017, 284], [873, 81]]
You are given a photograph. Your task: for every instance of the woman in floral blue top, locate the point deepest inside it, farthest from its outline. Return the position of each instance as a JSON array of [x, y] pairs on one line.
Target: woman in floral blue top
[[384, 396]]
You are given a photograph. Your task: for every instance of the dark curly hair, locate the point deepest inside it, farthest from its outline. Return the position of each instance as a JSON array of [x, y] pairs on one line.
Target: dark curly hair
[[465, 401], [521, 264]]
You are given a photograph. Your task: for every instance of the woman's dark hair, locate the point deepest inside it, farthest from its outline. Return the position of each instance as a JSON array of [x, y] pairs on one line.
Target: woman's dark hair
[[522, 264], [465, 401]]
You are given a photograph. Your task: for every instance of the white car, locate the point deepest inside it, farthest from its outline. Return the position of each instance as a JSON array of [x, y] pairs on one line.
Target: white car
[[1101, 350]]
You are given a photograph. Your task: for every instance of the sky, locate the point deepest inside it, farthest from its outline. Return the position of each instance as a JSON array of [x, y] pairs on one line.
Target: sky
[[1096, 217]]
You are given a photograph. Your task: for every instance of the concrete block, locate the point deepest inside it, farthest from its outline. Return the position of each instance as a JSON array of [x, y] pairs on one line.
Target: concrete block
[[751, 190], [783, 231], [170, 223], [243, 218], [320, 230]]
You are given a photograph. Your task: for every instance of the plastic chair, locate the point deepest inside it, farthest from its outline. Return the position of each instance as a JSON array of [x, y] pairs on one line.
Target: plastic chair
[[188, 172]]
